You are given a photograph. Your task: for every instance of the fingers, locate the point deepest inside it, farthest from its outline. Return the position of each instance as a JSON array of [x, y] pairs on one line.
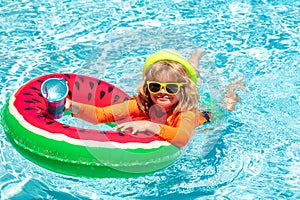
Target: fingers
[[122, 127], [134, 131], [67, 104], [127, 127]]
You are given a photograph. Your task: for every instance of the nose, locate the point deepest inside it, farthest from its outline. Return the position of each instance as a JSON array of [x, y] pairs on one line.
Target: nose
[[163, 91]]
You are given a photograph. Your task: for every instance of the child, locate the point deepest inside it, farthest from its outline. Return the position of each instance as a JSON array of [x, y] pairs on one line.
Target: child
[[166, 103]]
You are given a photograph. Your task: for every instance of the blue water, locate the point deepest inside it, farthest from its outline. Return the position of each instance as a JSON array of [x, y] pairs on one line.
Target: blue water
[[253, 154]]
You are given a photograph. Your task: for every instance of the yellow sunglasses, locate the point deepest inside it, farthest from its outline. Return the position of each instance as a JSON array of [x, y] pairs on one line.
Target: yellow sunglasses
[[170, 88]]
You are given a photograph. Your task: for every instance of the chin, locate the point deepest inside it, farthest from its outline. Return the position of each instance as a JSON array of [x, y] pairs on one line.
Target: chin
[[163, 102], [165, 105]]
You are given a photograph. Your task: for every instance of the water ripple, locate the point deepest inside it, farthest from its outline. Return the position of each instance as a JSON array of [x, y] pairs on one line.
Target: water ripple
[[252, 154]]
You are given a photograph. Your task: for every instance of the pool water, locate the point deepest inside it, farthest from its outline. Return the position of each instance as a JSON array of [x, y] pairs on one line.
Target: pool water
[[252, 154]]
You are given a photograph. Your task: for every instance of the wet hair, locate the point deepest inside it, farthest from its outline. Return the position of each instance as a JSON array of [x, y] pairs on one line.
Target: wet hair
[[188, 97]]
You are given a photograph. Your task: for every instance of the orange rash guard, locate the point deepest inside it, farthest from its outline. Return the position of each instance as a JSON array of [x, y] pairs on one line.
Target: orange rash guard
[[175, 129]]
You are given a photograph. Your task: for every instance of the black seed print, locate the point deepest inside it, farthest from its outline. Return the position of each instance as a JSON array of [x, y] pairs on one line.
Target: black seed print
[[102, 94], [146, 133], [40, 94], [68, 76], [29, 108], [34, 88], [77, 84], [81, 78], [36, 100], [116, 98], [98, 82], [102, 132], [27, 94], [66, 126], [28, 101], [126, 98], [91, 85], [40, 108], [48, 123], [40, 81], [121, 134], [82, 130], [89, 96], [41, 116], [110, 89]]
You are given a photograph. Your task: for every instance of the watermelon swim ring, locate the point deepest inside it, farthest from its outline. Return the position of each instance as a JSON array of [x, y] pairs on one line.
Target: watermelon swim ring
[[77, 151]]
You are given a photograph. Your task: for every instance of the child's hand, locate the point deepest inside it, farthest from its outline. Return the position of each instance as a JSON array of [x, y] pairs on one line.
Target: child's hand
[[138, 126], [133, 127], [67, 104], [73, 107]]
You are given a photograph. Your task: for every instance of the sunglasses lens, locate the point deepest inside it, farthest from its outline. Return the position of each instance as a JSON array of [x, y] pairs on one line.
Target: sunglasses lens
[[154, 87], [172, 88]]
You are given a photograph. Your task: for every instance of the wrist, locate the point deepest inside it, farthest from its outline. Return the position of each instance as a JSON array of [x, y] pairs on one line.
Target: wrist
[[157, 128], [74, 109]]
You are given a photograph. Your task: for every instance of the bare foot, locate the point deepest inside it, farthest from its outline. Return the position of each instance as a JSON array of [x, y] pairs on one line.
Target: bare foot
[[194, 60], [231, 97]]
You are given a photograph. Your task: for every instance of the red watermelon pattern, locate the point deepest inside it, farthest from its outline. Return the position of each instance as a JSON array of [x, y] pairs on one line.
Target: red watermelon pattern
[[29, 107]]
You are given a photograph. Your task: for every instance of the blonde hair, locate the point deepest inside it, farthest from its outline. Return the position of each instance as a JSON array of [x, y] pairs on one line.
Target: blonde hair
[[188, 97]]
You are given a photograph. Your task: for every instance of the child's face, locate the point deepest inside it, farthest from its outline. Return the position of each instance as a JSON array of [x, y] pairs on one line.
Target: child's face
[[163, 99]]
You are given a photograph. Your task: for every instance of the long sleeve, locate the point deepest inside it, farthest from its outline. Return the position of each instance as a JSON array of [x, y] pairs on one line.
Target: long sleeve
[[111, 113], [180, 129], [201, 119], [176, 130]]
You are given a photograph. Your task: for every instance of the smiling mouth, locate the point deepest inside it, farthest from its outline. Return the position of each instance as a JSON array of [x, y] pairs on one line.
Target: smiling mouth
[[163, 97]]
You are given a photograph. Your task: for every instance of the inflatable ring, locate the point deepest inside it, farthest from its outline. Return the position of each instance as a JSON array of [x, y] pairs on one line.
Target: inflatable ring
[[173, 55], [77, 151]]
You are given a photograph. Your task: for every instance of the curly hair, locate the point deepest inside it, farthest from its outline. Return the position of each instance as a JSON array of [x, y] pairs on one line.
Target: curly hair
[[188, 97]]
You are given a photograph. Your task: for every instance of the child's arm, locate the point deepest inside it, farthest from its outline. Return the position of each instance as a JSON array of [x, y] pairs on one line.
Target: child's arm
[[96, 115], [182, 131], [178, 133]]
